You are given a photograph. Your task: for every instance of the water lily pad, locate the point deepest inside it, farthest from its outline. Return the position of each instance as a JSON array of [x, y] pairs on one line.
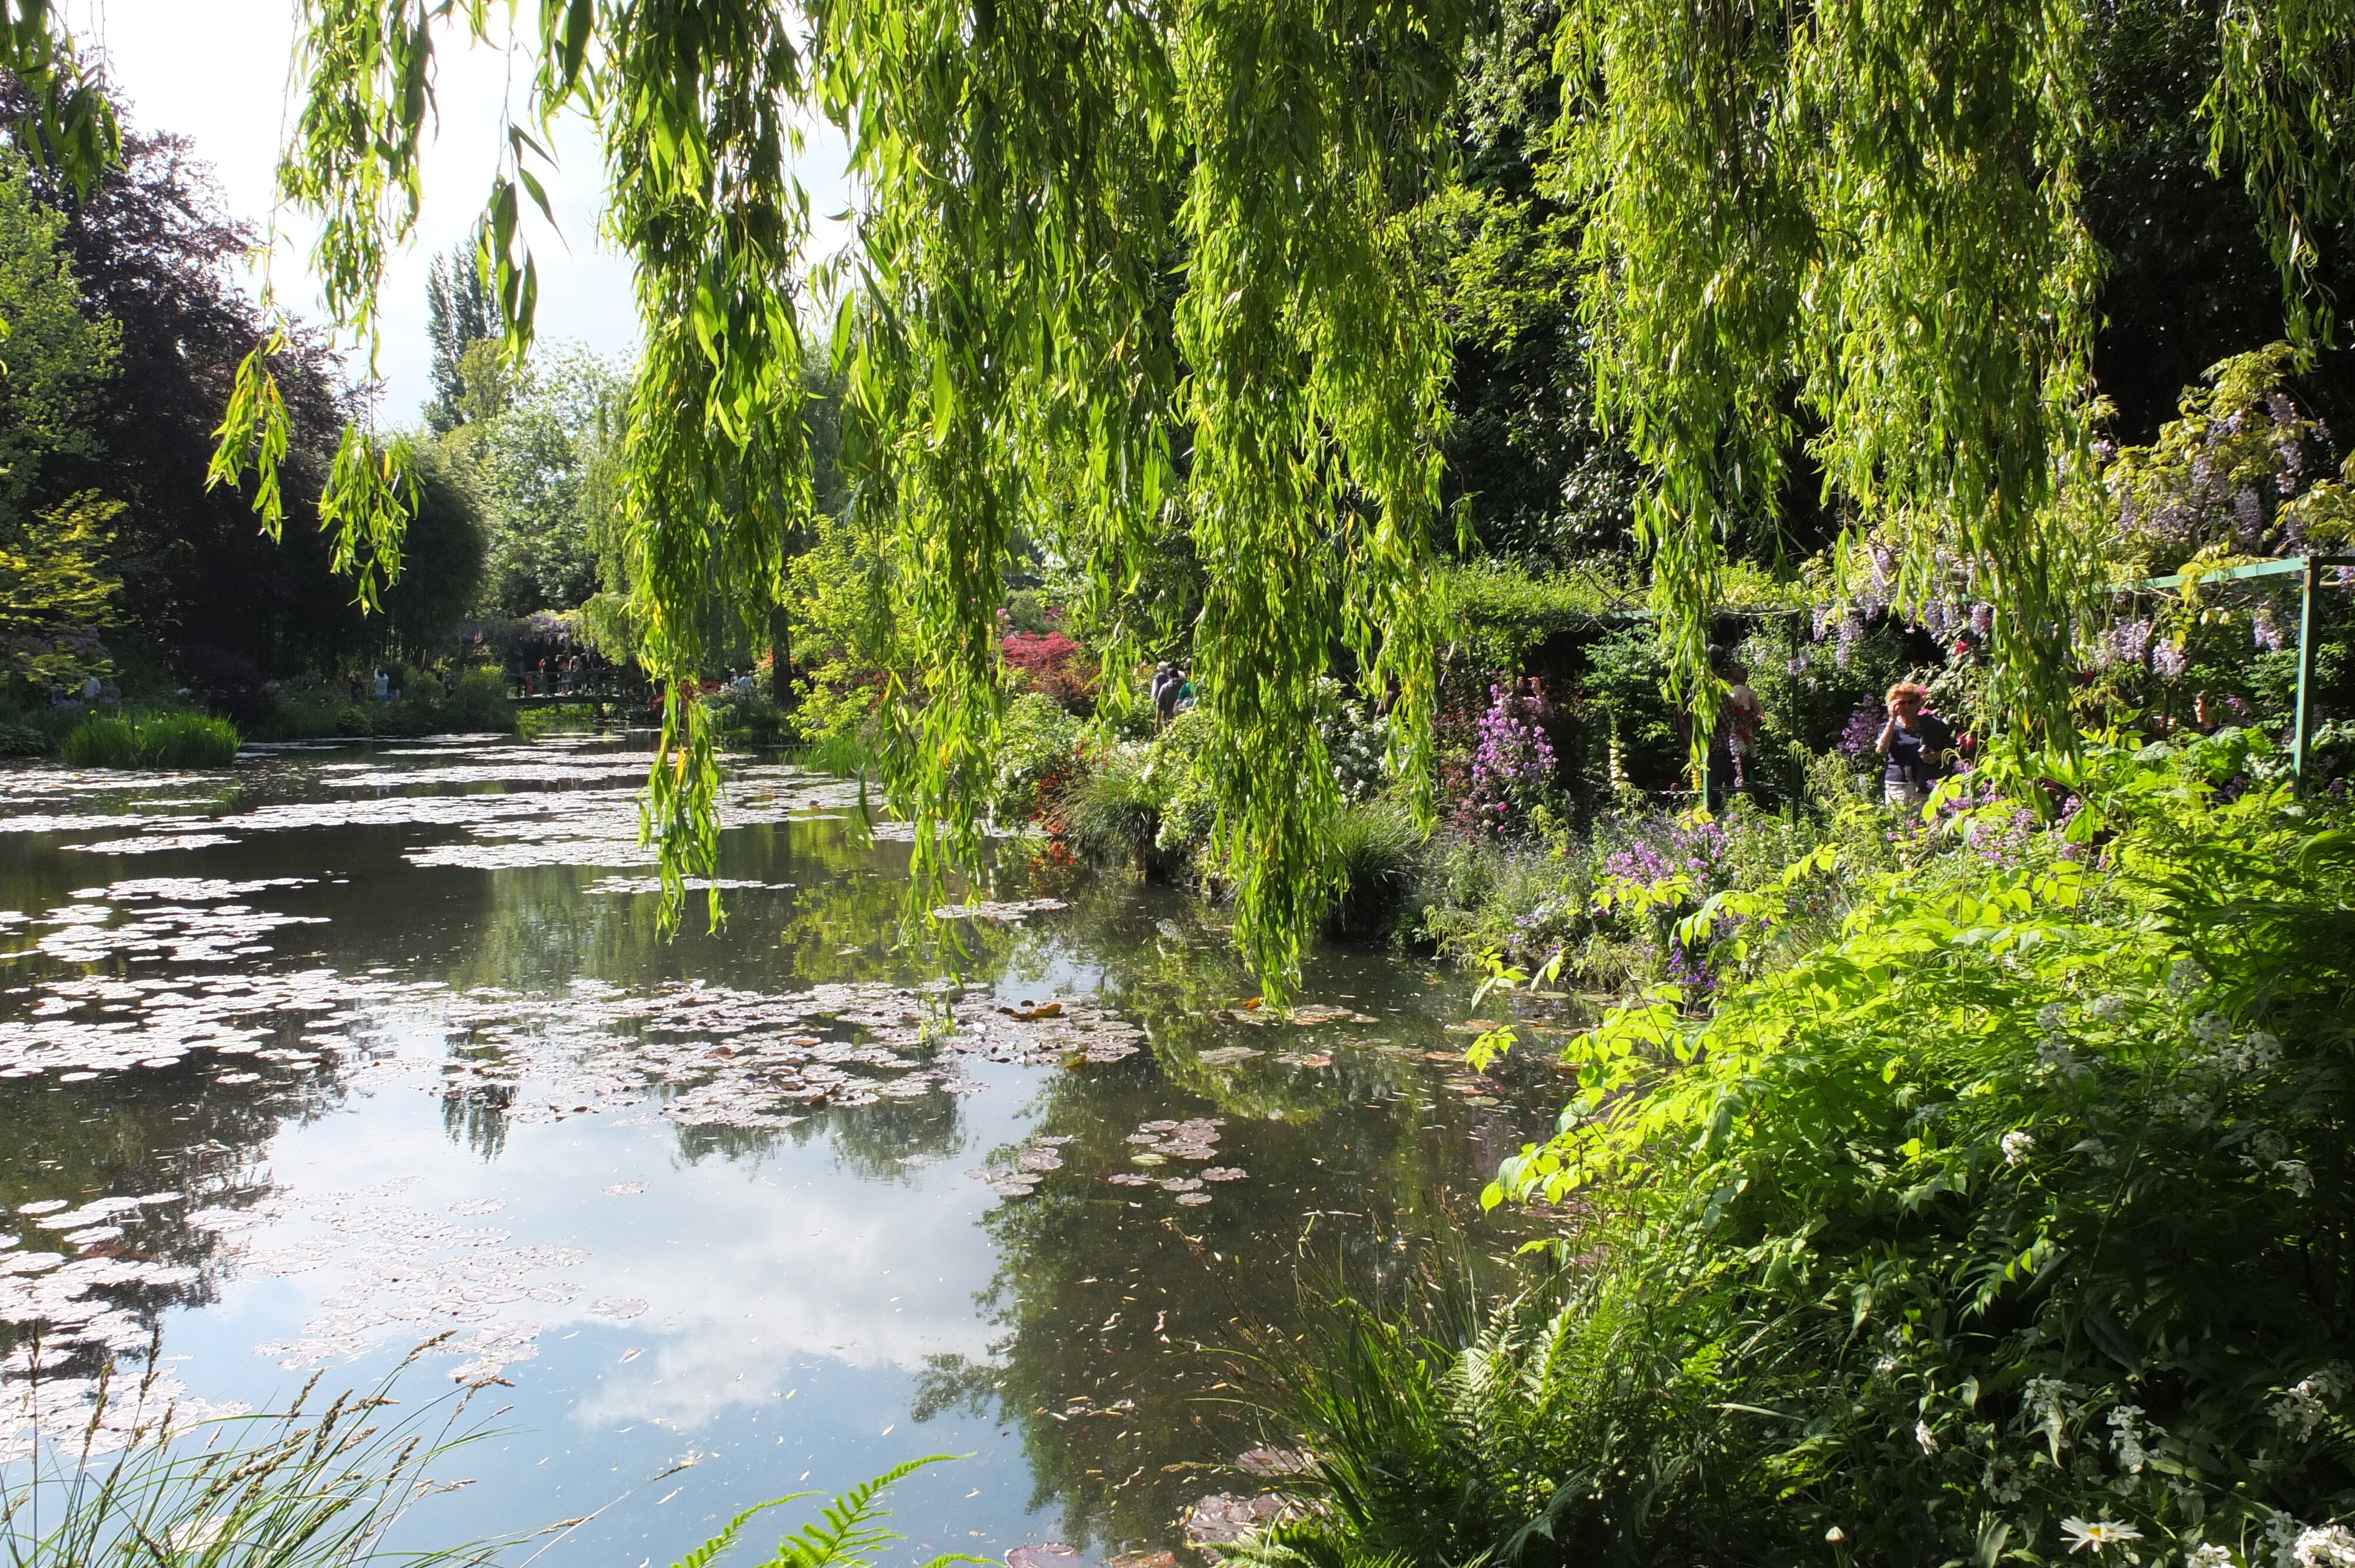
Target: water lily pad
[[1054, 1554]]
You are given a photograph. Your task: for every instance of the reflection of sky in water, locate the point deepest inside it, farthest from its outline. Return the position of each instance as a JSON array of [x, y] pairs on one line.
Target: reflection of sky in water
[[786, 1291]]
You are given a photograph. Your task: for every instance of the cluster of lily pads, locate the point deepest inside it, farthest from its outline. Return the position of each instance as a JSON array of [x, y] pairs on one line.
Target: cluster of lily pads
[[404, 1273], [69, 1297]]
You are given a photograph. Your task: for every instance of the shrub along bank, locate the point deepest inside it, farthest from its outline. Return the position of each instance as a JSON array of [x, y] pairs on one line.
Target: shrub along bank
[[2003, 1219]]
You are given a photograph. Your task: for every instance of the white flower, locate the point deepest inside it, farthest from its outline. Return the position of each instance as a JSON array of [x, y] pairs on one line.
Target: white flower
[[2303, 1407], [2016, 1146], [2002, 1482], [2098, 1533], [2058, 1055], [2300, 1179], [2184, 976], [2109, 1009], [2125, 1425], [2269, 1146], [2212, 1029], [1927, 1438], [2325, 1546], [2051, 1016], [2210, 1555], [2264, 1050]]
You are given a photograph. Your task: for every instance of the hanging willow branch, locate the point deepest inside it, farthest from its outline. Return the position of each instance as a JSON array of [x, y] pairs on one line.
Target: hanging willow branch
[[1127, 264]]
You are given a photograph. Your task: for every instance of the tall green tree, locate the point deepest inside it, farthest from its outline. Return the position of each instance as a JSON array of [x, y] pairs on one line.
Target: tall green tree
[[459, 313], [55, 590], [56, 361], [527, 451]]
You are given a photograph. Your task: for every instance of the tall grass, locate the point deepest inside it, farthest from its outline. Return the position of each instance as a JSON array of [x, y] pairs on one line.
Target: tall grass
[[102, 742], [296, 1489], [163, 740], [1112, 813], [1378, 851], [846, 756], [327, 1490]]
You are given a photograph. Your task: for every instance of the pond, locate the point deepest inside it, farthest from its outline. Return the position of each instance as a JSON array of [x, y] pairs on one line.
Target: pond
[[306, 1062]]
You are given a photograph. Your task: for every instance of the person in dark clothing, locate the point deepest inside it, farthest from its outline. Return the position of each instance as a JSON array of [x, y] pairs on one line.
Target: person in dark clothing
[[1917, 747], [1165, 681]]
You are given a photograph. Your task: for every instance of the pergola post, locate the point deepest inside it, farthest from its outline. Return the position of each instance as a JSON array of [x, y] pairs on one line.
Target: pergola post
[[2310, 580]]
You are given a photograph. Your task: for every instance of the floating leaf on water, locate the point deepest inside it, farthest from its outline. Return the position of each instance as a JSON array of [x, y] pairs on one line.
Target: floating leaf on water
[[633, 1353], [44, 1207], [473, 1206], [1224, 1518], [1227, 1055], [1000, 911], [1053, 1554], [1129, 1179], [619, 1308], [1224, 1174], [1148, 1157]]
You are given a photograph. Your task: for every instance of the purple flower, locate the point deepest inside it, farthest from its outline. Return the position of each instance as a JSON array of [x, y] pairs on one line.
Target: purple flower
[[1863, 731], [1512, 764]]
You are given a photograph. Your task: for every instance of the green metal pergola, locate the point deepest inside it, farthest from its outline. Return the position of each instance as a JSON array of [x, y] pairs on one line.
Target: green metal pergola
[[2309, 569]]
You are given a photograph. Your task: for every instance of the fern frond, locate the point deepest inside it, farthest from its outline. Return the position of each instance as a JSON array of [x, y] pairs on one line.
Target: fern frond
[[702, 1555], [852, 1529]]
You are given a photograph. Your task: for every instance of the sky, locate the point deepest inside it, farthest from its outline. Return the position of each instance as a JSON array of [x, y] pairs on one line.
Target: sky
[[218, 73]]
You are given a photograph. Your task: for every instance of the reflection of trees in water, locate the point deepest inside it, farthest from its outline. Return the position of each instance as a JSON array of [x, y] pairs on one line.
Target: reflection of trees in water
[[1121, 1312], [1104, 1293], [150, 1130], [872, 1141], [868, 1141]]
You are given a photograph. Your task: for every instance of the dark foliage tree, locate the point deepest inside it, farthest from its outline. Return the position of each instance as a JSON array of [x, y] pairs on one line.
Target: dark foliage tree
[[202, 585], [2186, 280]]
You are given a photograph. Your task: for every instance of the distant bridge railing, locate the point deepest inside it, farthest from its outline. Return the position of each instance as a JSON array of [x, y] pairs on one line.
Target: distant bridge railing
[[598, 688]]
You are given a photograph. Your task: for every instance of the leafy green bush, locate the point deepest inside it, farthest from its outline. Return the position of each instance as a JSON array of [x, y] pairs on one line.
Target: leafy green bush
[[479, 701], [22, 740], [1038, 759], [2007, 1223], [747, 719], [317, 719], [102, 741], [187, 740]]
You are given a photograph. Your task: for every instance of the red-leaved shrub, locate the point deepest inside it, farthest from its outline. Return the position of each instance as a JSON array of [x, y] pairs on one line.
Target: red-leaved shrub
[[1052, 665]]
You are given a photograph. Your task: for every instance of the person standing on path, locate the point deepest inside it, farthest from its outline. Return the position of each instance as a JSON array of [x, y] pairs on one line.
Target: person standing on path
[[1918, 747]]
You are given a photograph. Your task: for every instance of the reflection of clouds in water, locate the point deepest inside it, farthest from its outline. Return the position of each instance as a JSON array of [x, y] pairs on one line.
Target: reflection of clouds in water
[[774, 1280]]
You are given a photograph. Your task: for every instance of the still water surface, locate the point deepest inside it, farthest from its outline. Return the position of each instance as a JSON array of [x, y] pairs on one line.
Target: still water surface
[[304, 1062]]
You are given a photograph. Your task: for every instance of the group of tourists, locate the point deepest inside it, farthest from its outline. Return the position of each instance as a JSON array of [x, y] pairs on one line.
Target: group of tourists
[[1173, 692]]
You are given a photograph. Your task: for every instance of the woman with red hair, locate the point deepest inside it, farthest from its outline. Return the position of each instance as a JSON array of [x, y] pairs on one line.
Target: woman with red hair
[[1917, 744]]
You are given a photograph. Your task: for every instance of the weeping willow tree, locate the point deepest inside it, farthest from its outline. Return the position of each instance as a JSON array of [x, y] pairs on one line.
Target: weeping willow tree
[[1127, 263]]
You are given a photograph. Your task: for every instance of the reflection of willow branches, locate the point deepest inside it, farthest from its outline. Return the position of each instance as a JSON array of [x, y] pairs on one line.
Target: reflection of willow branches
[[869, 1140], [872, 1141], [1107, 1295], [156, 1131], [477, 1118]]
